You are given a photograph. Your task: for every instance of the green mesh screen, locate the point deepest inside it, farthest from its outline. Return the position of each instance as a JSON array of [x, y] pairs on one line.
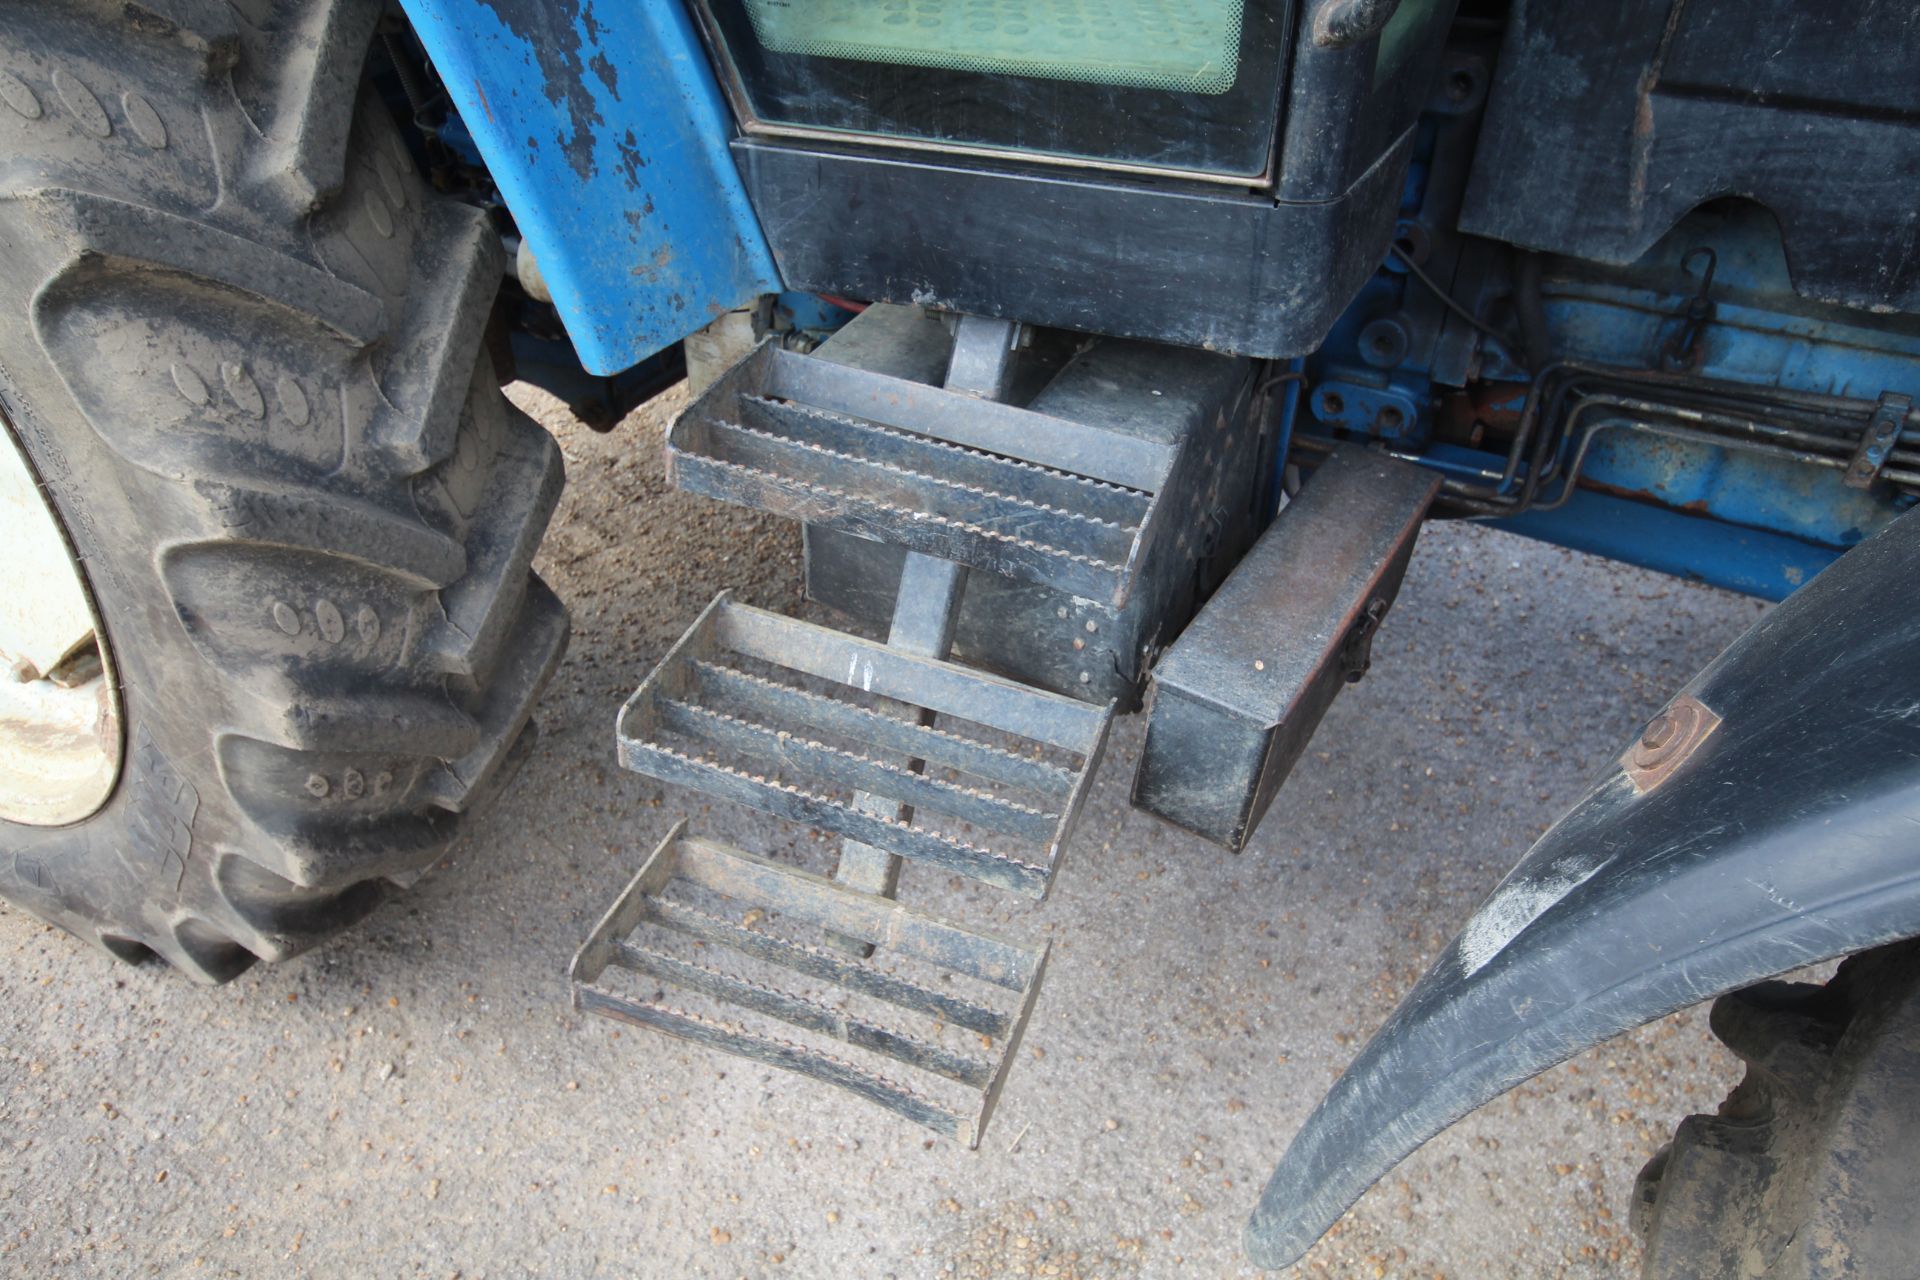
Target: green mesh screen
[[1185, 46]]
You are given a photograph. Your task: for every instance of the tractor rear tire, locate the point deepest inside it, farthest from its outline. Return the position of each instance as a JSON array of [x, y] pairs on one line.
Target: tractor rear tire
[[1807, 1172], [241, 347]]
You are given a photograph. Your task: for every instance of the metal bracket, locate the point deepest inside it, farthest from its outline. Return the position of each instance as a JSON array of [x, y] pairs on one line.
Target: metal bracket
[[1356, 655], [982, 364], [927, 605], [1667, 742], [1683, 352], [1876, 443], [1240, 693]]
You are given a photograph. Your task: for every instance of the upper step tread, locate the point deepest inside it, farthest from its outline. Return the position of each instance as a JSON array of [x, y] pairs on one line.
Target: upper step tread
[[913, 527], [1056, 443], [984, 501], [998, 488], [1095, 499]]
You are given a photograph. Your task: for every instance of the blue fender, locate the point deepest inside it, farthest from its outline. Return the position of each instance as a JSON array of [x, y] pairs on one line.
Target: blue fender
[[609, 138], [1769, 819]]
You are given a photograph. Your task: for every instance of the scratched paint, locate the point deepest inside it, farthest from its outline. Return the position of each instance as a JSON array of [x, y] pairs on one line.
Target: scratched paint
[[609, 141], [1517, 904]]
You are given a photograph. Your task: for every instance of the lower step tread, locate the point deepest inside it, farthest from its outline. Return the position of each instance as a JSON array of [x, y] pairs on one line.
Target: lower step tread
[[947, 1002]]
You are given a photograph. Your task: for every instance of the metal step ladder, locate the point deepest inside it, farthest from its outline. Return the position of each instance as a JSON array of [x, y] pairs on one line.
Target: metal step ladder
[[903, 754]]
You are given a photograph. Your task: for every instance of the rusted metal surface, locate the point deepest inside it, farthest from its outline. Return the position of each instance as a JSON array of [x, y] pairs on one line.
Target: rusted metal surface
[[1340, 24], [1667, 742], [782, 715], [1240, 693], [737, 938]]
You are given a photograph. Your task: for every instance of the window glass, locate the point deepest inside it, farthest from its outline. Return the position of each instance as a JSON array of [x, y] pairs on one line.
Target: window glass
[[1182, 46], [1185, 86]]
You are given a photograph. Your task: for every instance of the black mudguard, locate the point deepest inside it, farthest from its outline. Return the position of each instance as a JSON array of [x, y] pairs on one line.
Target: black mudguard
[[1774, 821]]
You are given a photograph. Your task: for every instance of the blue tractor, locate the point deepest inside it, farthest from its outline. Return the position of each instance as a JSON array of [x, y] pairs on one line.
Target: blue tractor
[[1112, 354]]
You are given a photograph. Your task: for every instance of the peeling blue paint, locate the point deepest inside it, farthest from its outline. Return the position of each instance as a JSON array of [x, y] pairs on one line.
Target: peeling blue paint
[[608, 141], [1753, 562]]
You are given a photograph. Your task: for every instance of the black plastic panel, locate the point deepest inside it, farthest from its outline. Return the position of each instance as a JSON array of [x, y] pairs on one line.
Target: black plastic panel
[[1815, 117], [1226, 272]]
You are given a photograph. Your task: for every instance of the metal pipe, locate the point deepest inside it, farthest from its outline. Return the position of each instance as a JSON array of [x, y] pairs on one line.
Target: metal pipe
[[1816, 437], [1688, 434]]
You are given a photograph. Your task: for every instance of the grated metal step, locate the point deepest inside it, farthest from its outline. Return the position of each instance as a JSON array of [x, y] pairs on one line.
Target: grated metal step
[[802, 721], [739, 939], [939, 471]]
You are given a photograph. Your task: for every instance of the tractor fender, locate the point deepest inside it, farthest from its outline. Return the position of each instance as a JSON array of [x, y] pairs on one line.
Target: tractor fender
[[1767, 819]]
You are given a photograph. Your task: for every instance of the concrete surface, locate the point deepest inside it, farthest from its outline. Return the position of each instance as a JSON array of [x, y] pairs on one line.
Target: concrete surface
[[418, 1099]]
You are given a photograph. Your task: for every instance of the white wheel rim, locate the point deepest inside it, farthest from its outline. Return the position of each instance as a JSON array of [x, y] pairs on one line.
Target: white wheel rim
[[60, 740]]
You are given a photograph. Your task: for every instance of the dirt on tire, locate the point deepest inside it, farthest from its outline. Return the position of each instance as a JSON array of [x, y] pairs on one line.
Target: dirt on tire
[[241, 342]]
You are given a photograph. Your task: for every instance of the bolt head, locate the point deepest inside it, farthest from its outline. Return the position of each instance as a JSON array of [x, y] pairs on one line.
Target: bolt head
[[1659, 731]]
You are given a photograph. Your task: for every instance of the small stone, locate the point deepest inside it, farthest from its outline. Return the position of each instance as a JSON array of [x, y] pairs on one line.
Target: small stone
[[386, 1071], [1112, 1124], [719, 1236]]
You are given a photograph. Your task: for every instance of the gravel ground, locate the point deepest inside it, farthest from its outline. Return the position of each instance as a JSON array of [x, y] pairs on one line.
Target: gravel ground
[[419, 1099]]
